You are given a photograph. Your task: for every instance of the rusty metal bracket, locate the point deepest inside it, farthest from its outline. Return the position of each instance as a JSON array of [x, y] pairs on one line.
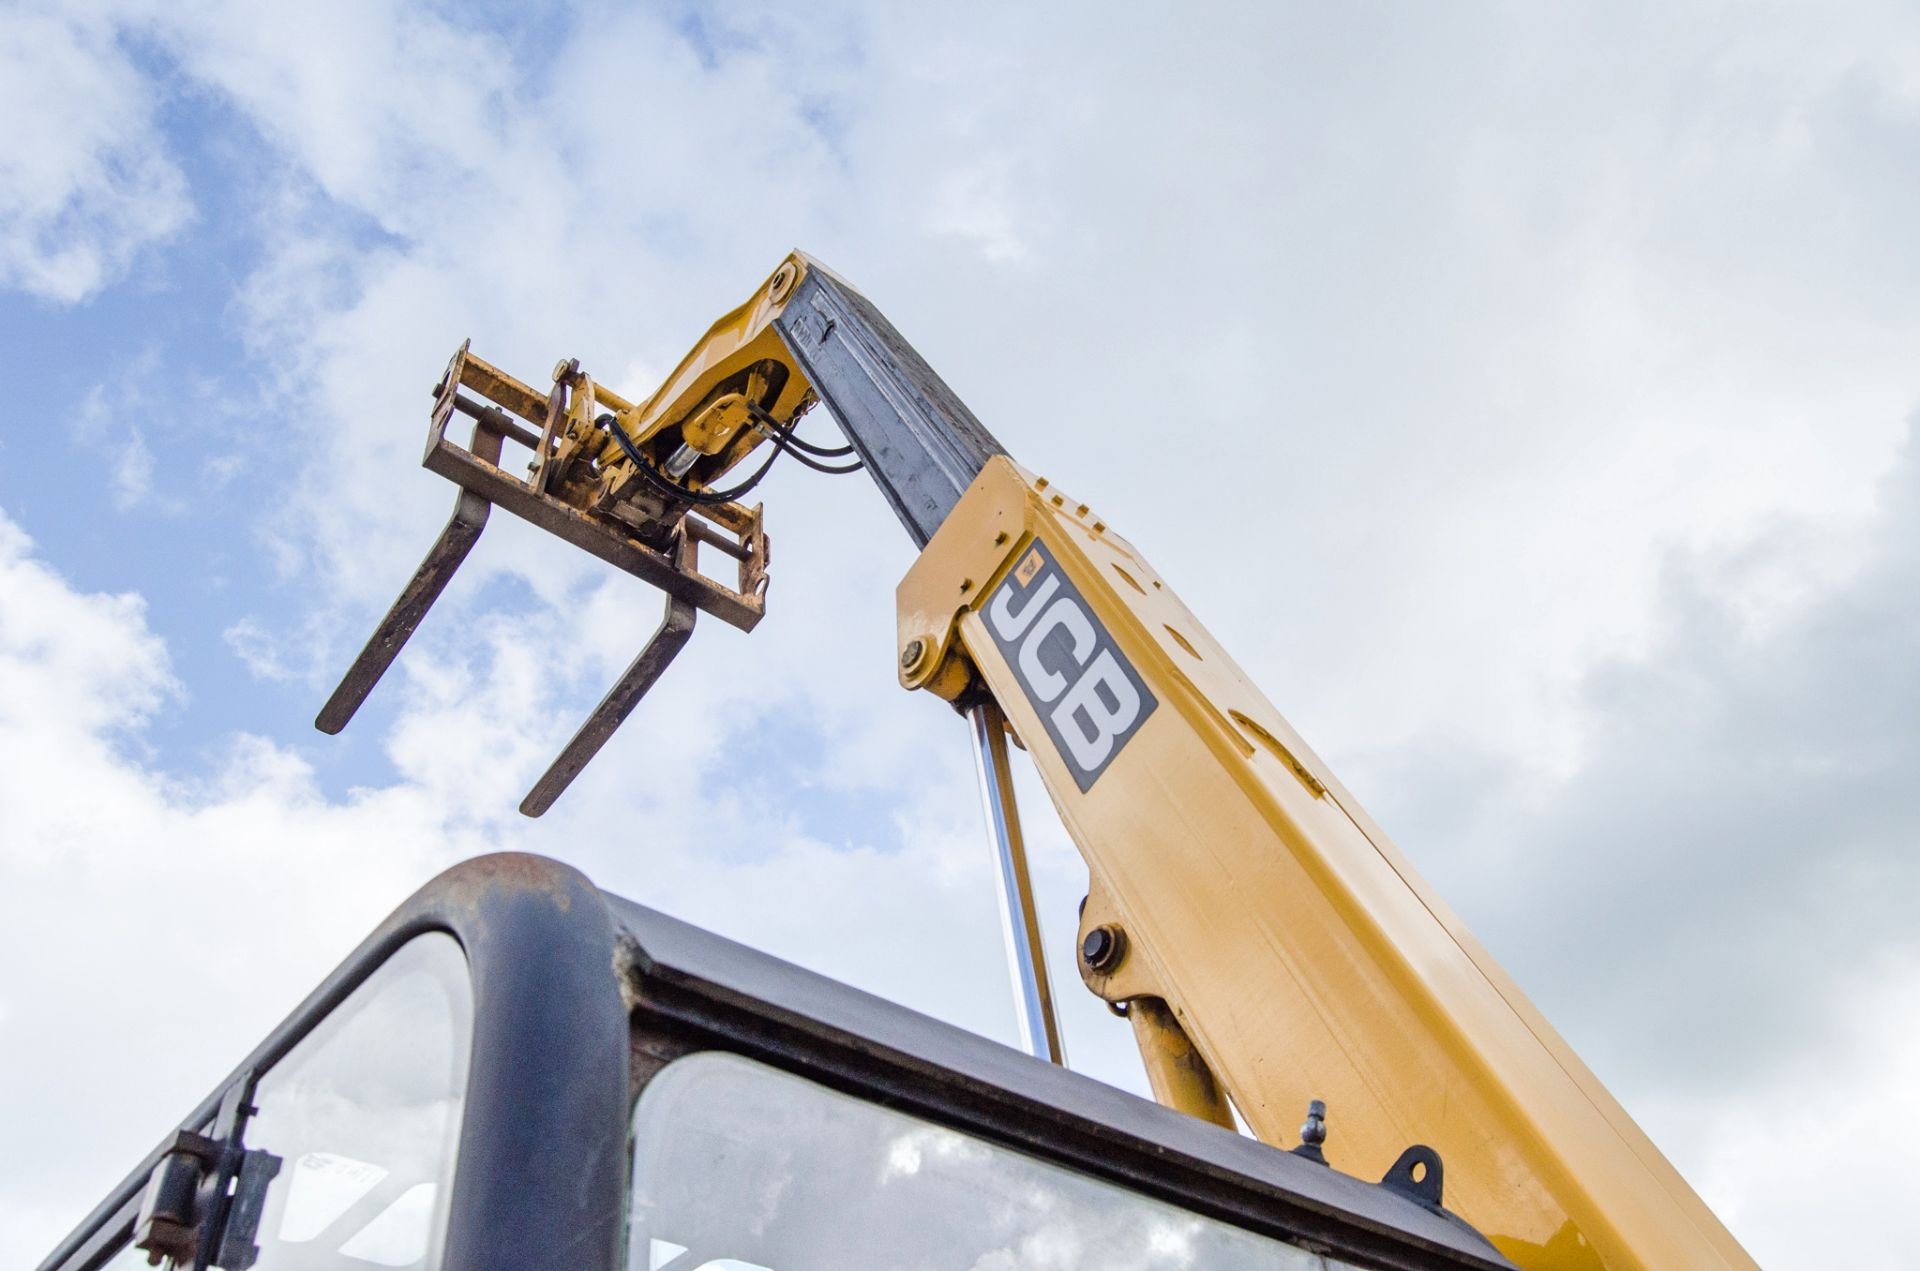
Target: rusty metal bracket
[[504, 408]]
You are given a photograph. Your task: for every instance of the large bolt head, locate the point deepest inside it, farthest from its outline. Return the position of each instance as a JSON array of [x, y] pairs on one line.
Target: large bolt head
[[1102, 948], [782, 282]]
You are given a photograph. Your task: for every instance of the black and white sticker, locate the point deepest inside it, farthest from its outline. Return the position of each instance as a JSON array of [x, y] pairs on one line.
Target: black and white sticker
[[1087, 694]]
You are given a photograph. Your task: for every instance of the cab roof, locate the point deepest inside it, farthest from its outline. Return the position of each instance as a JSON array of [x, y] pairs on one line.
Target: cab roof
[[579, 995]]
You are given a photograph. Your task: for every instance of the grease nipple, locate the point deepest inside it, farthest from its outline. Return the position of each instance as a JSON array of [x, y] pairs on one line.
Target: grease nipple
[[1313, 1132]]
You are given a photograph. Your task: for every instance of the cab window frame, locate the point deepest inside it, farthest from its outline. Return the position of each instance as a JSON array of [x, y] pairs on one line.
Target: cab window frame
[[580, 997]]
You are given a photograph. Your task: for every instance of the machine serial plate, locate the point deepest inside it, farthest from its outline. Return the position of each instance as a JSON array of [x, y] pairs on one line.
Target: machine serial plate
[[1086, 693]]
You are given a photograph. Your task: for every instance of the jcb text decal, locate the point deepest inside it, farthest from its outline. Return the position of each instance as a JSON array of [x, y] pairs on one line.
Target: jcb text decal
[[1088, 695]]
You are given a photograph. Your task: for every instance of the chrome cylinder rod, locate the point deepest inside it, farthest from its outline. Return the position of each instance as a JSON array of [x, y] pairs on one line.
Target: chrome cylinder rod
[[1026, 958]]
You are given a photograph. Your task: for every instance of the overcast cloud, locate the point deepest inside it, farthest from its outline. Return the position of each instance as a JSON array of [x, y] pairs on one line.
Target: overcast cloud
[[1524, 395]]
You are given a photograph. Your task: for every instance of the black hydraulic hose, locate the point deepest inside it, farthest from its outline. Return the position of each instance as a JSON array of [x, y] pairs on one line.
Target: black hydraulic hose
[[787, 444], [788, 429], [824, 452], [784, 442], [673, 489]]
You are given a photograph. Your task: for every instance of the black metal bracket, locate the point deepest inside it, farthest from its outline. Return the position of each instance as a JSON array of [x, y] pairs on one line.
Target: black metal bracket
[[203, 1198], [256, 1169], [173, 1217], [1418, 1175]]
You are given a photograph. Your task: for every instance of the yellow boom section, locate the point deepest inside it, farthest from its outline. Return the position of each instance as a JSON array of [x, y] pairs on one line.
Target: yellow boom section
[[1241, 884]]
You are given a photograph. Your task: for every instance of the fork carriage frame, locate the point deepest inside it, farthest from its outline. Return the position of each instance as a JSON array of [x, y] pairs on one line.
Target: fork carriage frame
[[811, 337], [502, 409]]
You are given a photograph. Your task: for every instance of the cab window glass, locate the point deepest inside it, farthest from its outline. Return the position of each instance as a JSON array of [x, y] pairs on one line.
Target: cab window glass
[[363, 1115], [742, 1167]]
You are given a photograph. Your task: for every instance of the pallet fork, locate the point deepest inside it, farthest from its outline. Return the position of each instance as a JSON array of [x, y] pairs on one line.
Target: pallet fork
[[636, 484], [501, 408]]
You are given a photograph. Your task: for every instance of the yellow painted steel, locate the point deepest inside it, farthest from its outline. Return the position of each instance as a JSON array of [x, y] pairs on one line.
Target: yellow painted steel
[[1293, 942], [1179, 1076], [709, 413], [713, 420]]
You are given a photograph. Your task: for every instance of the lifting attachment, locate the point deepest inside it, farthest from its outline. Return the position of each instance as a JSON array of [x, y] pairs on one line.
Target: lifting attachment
[[502, 408], [638, 484]]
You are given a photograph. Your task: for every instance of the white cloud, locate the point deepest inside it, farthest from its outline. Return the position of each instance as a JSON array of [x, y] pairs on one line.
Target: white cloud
[[1717, 905], [262, 653], [113, 421], [147, 869], [974, 205], [85, 179], [132, 471], [1412, 352], [1822, 1148], [1744, 805]]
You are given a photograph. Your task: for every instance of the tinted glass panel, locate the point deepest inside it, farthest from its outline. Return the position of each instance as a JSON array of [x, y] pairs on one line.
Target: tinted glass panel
[[363, 1115], [741, 1167]]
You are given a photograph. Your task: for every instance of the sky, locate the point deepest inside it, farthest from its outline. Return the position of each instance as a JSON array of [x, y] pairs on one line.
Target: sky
[[1524, 394]]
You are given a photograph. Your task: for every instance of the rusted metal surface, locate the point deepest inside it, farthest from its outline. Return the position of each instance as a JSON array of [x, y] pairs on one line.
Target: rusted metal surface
[[496, 385], [597, 537], [507, 409], [513, 410], [541, 476], [704, 533], [443, 558], [675, 629], [1177, 1073], [498, 420]]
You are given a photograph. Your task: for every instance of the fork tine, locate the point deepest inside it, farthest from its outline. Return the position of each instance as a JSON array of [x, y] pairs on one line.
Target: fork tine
[[436, 570], [676, 628]]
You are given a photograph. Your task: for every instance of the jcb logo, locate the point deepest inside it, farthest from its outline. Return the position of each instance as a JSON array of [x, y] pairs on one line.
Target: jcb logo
[[1090, 698]]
